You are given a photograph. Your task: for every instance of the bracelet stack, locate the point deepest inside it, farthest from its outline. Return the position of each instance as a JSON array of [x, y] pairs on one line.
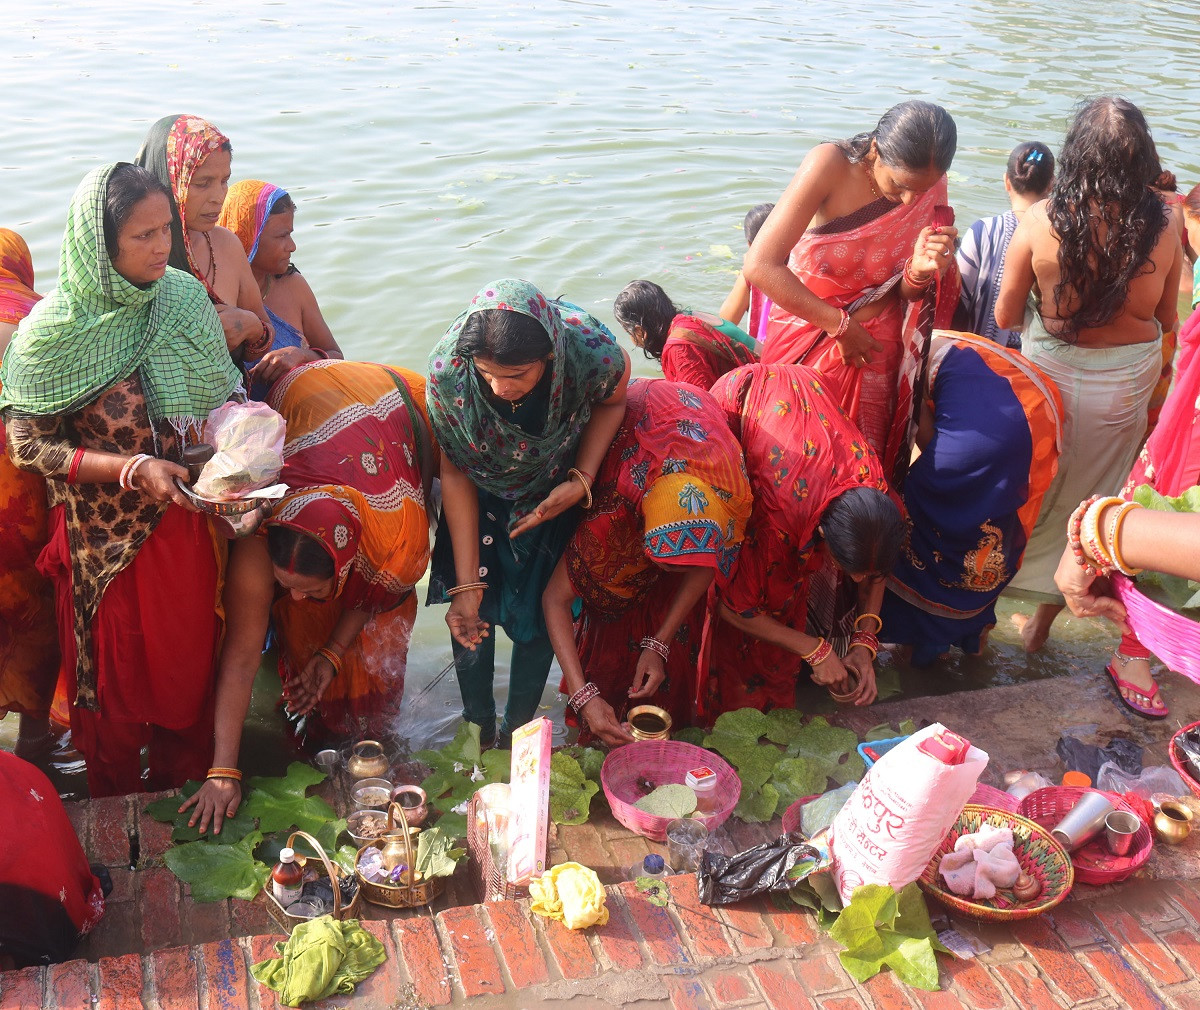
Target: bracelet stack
[[1086, 537], [466, 587], [76, 460], [912, 281], [843, 325], [865, 640], [582, 697], [818, 656], [654, 645], [331, 657], [129, 469], [586, 481], [224, 773], [262, 343]]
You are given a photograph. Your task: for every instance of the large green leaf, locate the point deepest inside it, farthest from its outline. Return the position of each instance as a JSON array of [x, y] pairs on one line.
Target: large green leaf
[[794, 778], [216, 872], [571, 791], [880, 928], [757, 806], [831, 748], [436, 855], [166, 809], [280, 803], [783, 724], [454, 825]]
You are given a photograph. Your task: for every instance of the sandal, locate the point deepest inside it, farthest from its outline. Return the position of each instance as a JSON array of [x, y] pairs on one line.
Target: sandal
[[1139, 701]]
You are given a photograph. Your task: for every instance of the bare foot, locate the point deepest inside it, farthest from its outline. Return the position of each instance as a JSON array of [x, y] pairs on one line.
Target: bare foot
[[1036, 629], [983, 635]]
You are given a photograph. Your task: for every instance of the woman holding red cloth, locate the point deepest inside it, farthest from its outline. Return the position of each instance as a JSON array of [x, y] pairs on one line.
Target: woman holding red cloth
[[669, 506], [820, 508], [853, 258]]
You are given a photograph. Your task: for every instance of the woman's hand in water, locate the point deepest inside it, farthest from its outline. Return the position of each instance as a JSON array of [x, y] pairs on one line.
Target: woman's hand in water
[[241, 326], [215, 800], [463, 619], [933, 252], [857, 345], [602, 721], [568, 493]]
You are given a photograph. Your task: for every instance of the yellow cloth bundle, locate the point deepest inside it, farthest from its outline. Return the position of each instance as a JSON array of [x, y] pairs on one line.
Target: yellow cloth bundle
[[571, 893]]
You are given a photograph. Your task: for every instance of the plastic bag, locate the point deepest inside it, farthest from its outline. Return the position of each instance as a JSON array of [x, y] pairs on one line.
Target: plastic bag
[[1159, 779], [724, 880], [1087, 758], [1188, 745], [571, 893], [1027, 783], [902, 809], [248, 438]]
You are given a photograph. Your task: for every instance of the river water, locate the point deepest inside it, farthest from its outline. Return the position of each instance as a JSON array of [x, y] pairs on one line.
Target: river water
[[433, 147]]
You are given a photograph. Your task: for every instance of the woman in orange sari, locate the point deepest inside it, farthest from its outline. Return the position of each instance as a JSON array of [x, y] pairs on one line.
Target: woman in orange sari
[[28, 632], [346, 547], [669, 506], [857, 259]]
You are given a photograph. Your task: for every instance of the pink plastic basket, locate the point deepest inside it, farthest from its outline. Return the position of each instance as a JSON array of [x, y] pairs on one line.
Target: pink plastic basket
[[1177, 761], [663, 762], [1173, 638], [1093, 863], [990, 796]]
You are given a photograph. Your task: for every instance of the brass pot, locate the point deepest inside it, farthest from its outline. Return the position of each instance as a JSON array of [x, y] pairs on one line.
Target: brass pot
[[367, 760], [412, 803], [649, 722], [1173, 822]]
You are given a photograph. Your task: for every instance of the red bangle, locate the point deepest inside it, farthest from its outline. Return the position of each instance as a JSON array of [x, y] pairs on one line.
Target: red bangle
[[73, 472]]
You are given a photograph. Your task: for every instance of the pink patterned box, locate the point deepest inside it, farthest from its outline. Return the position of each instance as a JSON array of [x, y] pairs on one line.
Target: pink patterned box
[[529, 801]]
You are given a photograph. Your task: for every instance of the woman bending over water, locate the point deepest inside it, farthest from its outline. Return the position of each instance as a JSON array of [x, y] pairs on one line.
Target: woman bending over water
[[1093, 273], [851, 252], [263, 218]]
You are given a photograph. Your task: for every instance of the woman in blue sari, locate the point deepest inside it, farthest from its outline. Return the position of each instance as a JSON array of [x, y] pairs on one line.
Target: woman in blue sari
[[263, 217], [525, 396], [989, 436]]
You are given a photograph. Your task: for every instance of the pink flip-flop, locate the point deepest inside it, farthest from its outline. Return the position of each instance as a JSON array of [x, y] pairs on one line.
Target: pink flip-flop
[[1140, 701]]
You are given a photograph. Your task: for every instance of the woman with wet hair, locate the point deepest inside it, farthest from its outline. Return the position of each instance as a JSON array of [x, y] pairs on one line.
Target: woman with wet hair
[[693, 347], [821, 518], [1093, 272], [855, 258], [980, 256]]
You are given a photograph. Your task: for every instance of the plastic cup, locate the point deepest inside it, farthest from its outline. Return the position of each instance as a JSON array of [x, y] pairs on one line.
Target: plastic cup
[[686, 840], [1083, 822], [1119, 828]]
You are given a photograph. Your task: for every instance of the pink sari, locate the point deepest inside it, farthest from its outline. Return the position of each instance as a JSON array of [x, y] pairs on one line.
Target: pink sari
[[850, 263]]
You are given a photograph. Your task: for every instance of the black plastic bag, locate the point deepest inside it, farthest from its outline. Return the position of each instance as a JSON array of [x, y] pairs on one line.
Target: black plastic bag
[[1082, 757], [724, 880]]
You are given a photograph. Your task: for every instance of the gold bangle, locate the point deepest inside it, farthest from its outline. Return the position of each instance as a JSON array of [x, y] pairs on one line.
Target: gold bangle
[[863, 617], [587, 485], [863, 645], [466, 587], [1115, 545], [331, 657], [820, 645], [224, 773]]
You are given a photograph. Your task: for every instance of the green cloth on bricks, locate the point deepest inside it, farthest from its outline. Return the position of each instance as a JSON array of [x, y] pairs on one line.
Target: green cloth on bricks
[[322, 957]]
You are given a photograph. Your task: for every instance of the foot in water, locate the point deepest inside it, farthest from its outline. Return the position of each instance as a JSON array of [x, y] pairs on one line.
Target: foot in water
[[1035, 630]]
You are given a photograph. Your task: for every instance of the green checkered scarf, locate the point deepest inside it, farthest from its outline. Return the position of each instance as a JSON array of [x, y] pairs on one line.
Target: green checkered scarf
[[97, 328]]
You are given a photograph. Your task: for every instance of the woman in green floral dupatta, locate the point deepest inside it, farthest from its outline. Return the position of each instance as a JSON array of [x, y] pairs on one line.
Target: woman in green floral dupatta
[[104, 384], [525, 395]]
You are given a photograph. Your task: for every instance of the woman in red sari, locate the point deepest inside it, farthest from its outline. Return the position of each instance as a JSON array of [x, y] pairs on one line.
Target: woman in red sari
[[820, 506], [696, 348], [856, 258], [668, 510], [28, 632]]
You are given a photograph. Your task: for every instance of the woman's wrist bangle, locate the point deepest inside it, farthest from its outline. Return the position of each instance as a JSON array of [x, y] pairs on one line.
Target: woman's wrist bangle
[[224, 773], [1090, 536], [1114, 539], [819, 654], [582, 697], [865, 640], [586, 481], [76, 460], [869, 617], [911, 278], [466, 587], [1075, 536], [842, 326], [125, 480], [655, 645], [332, 658]]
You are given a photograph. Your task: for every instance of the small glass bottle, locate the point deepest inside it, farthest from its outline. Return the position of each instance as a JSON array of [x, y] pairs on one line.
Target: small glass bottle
[[287, 878], [703, 782], [653, 866]]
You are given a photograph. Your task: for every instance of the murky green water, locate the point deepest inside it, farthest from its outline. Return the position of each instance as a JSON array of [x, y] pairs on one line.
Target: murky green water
[[433, 148]]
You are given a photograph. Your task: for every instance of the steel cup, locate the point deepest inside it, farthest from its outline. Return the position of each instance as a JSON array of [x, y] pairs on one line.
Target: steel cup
[[1119, 829], [686, 839], [1083, 822]]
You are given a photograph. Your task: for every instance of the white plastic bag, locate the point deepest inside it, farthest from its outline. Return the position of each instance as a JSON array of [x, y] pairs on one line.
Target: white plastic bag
[[248, 439], [900, 812], [1158, 779]]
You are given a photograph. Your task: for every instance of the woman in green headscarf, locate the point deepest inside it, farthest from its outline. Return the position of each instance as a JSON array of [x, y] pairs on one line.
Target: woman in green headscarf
[[104, 384], [525, 395]]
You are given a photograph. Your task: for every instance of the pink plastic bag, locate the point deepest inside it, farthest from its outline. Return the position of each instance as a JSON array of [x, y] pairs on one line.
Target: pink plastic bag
[[901, 810], [248, 439]]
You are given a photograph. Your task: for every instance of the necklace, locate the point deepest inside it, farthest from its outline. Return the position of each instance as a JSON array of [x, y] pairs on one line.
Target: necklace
[[210, 274], [871, 180]]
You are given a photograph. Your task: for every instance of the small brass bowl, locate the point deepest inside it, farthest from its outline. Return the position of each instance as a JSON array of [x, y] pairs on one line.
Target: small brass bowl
[[1173, 822], [841, 699], [649, 722], [412, 803]]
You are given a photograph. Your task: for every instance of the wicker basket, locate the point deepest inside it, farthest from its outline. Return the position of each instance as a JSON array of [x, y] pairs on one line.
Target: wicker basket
[[990, 796], [491, 881], [1094, 864], [398, 895], [332, 870], [1178, 762], [1173, 638], [663, 762], [1039, 853]]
